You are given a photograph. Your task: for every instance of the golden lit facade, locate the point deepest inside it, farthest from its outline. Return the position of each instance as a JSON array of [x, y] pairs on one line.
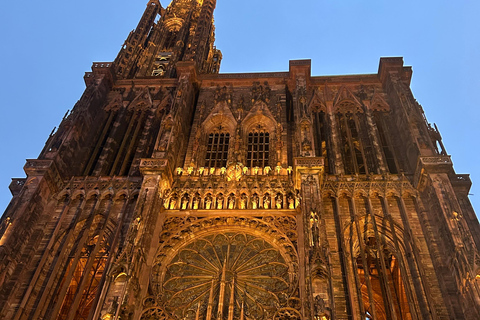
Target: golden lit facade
[[174, 192]]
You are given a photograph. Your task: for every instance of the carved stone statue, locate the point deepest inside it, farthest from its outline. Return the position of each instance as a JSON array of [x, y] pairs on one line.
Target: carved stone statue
[[173, 203], [291, 203], [243, 202], [231, 203], [321, 310], [314, 229], [220, 202], [195, 203], [208, 203], [266, 202], [255, 202], [278, 202], [184, 203]]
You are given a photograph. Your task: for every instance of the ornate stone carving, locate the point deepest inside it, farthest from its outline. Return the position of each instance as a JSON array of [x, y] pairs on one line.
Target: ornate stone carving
[[226, 274]]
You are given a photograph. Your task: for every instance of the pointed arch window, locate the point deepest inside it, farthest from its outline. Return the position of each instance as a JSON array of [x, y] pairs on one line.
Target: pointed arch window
[[217, 150], [356, 145], [258, 151], [386, 145], [85, 281], [387, 291], [322, 139]]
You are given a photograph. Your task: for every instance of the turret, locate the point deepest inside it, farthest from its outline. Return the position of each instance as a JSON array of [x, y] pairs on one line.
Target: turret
[[183, 31]]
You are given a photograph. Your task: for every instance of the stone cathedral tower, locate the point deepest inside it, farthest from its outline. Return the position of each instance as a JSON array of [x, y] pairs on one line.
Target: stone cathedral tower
[[173, 192]]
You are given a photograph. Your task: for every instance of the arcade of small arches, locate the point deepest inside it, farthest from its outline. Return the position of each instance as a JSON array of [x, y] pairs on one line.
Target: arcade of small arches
[[223, 171], [231, 201]]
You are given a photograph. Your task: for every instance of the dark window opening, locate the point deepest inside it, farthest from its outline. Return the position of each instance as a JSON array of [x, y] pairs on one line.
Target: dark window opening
[[387, 151], [258, 149], [351, 148], [322, 140], [217, 150]]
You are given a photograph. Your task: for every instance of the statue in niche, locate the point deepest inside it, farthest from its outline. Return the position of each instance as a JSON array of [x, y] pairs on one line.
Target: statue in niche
[[314, 232], [220, 202], [208, 203], [254, 201], [164, 138], [173, 203], [231, 202], [196, 201], [321, 310], [196, 144], [291, 202], [184, 203], [266, 202], [243, 202], [278, 201], [240, 109]]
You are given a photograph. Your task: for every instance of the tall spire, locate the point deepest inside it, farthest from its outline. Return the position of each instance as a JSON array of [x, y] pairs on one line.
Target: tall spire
[[183, 31], [134, 45]]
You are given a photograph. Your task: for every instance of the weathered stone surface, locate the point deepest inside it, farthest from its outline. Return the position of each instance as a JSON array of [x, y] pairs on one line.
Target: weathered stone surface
[[174, 192]]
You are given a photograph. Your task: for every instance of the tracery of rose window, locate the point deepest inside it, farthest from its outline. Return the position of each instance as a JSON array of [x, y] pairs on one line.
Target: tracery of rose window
[[226, 276]]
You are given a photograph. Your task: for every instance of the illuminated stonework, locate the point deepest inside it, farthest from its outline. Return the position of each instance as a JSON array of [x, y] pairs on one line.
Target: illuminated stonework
[[224, 274], [175, 192]]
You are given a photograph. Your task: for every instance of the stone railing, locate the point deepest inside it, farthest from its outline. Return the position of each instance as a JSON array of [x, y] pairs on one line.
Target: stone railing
[[37, 167], [153, 163], [224, 171], [436, 160], [309, 162]]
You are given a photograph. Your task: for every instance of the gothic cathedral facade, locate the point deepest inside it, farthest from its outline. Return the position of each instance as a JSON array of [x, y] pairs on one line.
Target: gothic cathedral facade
[[175, 192]]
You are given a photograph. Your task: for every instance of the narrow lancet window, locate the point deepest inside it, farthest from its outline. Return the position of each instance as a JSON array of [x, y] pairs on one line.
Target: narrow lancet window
[[386, 146], [322, 141], [352, 151]]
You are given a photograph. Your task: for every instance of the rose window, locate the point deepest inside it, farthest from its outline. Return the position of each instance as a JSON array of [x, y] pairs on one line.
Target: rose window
[[225, 276]]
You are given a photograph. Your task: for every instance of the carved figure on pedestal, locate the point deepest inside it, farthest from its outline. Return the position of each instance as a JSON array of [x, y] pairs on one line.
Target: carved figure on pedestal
[[243, 201], [173, 202], [322, 312], [291, 202], [231, 201], [185, 201], [255, 201], [196, 202], [208, 202], [279, 201], [220, 201], [266, 201], [314, 229]]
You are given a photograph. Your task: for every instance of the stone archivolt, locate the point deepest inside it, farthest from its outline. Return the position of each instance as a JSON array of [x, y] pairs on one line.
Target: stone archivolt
[[227, 267]]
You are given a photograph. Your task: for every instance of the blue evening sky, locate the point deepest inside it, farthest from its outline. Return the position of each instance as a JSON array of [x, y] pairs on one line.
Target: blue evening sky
[[48, 45]]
